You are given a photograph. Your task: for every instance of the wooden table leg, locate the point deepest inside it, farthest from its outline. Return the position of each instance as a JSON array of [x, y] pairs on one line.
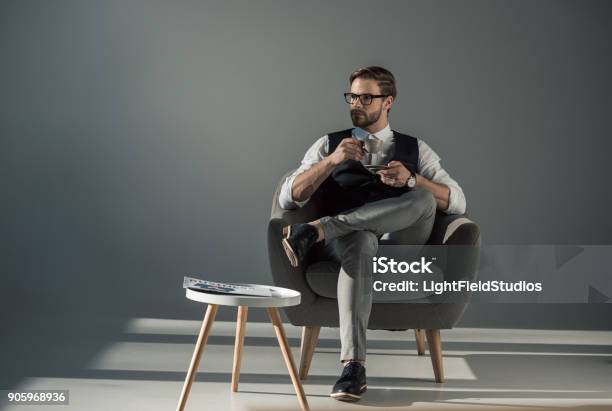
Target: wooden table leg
[[207, 323], [288, 356], [240, 329]]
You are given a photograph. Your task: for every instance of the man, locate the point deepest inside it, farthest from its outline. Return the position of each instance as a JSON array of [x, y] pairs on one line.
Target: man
[[399, 199]]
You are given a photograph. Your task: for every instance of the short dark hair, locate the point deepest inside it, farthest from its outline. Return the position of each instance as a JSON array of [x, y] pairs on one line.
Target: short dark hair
[[383, 77]]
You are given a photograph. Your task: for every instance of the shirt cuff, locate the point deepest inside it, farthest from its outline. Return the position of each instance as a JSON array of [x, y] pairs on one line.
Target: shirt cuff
[[286, 199], [456, 202]]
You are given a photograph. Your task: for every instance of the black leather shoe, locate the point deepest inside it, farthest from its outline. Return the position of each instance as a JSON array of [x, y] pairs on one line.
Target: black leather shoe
[[298, 240], [351, 383]]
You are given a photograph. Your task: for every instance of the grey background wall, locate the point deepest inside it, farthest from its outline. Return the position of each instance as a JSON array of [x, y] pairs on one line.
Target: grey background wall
[[141, 140]]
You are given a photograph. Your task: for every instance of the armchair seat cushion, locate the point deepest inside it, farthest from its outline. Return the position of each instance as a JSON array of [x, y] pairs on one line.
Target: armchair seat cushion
[[322, 277]]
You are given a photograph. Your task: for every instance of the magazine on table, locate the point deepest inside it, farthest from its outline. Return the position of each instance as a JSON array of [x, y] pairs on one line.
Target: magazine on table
[[226, 288]]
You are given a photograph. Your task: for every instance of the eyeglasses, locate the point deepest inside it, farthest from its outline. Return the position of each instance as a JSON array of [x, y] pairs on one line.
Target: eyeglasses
[[366, 99]]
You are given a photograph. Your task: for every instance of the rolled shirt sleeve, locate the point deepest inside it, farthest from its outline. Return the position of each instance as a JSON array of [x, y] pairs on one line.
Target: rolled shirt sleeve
[[317, 151], [430, 168]]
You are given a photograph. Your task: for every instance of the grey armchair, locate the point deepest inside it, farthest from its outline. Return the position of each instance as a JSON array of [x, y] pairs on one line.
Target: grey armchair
[[319, 308]]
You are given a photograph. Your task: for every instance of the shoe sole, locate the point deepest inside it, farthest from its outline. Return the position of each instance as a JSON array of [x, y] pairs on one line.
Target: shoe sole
[[345, 396], [291, 255]]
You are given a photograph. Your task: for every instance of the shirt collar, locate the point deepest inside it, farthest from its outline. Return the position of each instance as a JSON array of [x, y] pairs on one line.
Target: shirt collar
[[384, 134]]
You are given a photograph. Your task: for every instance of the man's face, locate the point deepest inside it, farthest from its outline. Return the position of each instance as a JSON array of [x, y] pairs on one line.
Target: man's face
[[366, 115]]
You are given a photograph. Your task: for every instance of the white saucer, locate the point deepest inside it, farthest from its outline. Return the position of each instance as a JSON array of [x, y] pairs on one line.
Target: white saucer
[[374, 168]]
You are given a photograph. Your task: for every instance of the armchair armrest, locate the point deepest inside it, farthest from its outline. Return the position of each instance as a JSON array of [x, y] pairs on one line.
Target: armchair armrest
[[461, 258], [454, 229], [283, 274]]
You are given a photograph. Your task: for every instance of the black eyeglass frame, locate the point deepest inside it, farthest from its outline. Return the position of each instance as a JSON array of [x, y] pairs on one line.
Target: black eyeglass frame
[[350, 97]]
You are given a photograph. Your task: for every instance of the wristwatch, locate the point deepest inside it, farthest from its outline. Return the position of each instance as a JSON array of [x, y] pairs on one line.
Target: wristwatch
[[411, 182]]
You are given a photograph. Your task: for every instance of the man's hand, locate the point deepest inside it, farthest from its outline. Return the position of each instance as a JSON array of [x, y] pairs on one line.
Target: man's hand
[[395, 175], [307, 182], [348, 149]]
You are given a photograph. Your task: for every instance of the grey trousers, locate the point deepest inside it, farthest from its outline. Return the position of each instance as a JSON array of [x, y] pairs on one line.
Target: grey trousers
[[351, 239]]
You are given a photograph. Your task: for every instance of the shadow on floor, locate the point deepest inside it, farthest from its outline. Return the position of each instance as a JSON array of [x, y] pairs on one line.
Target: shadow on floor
[[62, 348]]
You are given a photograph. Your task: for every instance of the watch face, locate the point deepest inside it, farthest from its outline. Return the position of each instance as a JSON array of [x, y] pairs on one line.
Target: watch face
[[411, 182]]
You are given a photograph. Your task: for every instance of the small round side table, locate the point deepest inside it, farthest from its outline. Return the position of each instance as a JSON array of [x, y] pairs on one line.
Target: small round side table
[[281, 297]]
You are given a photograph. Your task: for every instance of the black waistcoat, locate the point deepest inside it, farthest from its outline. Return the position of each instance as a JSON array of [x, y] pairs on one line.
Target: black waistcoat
[[351, 185]]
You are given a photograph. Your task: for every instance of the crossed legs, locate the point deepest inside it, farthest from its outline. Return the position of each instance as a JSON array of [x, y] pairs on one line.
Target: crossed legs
[[352, 240]]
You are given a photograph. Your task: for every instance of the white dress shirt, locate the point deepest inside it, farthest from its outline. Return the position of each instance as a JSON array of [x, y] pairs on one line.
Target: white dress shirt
[[428, 166]]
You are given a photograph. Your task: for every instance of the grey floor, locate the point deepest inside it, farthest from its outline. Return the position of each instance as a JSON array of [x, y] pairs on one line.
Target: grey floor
[[140, 364]]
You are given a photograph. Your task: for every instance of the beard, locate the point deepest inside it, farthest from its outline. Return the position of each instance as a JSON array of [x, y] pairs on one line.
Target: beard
[[362, 119]]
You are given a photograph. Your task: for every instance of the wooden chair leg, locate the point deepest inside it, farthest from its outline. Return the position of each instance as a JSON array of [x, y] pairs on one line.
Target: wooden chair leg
[[240, 329], [435, 351], [419, 336], [310, 335], [207, 323], [288, 356]]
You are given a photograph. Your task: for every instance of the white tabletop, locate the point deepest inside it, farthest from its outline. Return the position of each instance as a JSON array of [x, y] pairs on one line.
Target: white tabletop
[[281, 297]]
